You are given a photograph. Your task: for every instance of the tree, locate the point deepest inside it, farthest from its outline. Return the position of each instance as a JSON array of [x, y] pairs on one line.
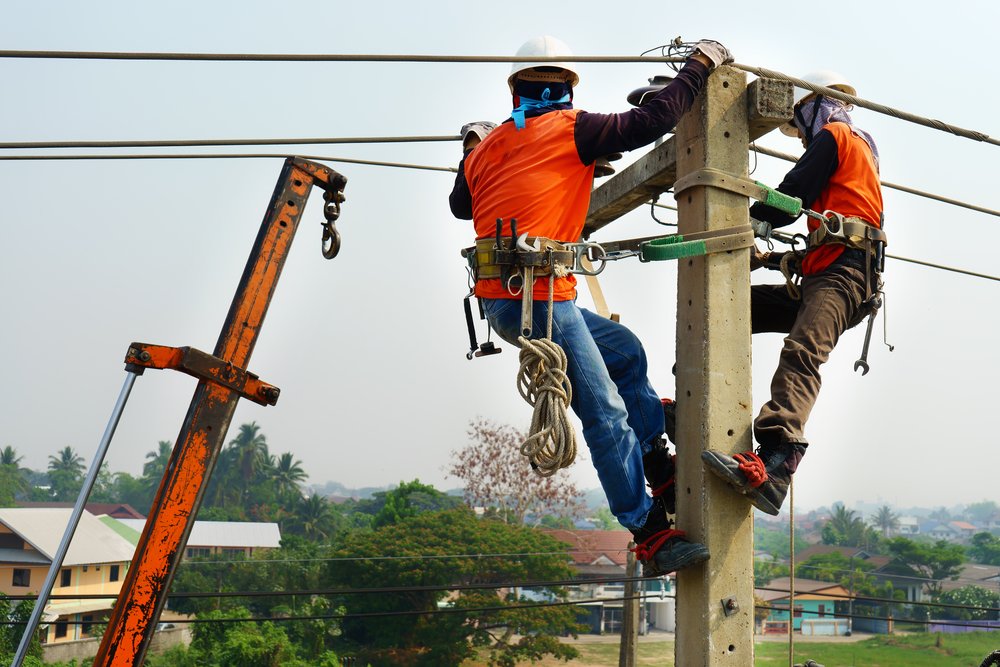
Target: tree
[[66, 474], [287, 475], [410, 499], [981, 604], [766, 571], [847, 529], [13, 482], [982, 511], [605, 520], [932, 562], [12, 622], [465, 544], [495, 475], [984, 549], [249, 449], [885, 520], [313, 519]]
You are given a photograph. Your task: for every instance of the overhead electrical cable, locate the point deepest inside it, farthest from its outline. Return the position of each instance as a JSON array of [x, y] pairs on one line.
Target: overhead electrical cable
[[189, 143], [226, 156], [416, 58], [887, 184]]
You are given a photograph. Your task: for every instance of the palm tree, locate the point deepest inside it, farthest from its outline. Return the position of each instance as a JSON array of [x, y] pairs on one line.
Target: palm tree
[[157, 461], [12, 479], [66, 473], [9, 457], [885, 520], [155, 465], [314, 519], [287, 475], [249, 449]]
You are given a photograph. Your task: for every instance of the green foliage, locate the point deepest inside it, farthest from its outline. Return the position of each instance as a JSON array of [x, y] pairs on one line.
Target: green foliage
[[410, 499], [935, 562], [968, 596], [765, 571], [984, 548], [982, 511], [444, 638], [551, 521], [847, 529], [65, 474], [605, 520], [10, 635], [775, 541]]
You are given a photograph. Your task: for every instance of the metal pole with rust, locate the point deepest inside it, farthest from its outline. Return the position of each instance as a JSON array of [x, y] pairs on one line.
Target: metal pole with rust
[[203, 432]]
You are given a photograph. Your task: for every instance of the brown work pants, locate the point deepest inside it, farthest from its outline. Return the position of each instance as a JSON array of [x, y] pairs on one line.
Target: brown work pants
[[830, 304]]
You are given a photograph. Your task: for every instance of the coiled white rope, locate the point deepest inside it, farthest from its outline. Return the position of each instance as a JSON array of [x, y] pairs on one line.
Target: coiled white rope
[[544, 385]]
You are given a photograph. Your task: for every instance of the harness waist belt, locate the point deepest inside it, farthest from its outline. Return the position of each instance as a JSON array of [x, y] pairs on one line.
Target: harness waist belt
[[488, 261], [852, 232]]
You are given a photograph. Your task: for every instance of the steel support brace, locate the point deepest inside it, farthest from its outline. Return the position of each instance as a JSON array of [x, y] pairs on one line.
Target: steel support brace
[[203, 432]]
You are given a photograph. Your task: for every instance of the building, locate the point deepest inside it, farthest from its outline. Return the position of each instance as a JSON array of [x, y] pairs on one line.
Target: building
[[116, 510], [602, 555], [817, 604], [95, 564], [226, 539]]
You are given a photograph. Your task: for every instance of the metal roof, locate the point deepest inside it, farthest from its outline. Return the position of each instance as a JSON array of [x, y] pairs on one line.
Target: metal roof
[[226, 534], [43, 529]]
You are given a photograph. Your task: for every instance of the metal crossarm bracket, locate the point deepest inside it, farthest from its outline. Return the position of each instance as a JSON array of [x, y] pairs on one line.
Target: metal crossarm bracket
[[204, 367]]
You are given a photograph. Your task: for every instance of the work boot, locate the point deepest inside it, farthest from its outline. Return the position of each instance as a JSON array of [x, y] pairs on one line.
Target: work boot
[[662, 550], [762, 477], [659, 469], [670, 419]]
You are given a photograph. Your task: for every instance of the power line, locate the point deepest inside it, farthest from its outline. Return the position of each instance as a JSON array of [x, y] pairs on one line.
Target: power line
[[226, 156], [323, 57], [894, 186], [873, 106], [415, 58], [188, 143]]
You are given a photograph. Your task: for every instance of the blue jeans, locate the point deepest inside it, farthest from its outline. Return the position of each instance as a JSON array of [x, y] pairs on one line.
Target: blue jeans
[[621, 414]]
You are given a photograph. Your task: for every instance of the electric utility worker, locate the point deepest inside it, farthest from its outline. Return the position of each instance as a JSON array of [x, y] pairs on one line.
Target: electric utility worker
[[839, 171], [538, 168]]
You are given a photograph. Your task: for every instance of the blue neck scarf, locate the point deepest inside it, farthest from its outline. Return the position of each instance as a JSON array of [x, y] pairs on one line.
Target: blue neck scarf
[[529, 104]]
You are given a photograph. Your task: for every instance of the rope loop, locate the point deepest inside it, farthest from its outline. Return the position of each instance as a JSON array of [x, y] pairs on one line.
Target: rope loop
[[647, 548], [543, 384], [752, 466]]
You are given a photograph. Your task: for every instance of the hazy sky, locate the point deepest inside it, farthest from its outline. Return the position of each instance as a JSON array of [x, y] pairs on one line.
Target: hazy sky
[[369, 349]]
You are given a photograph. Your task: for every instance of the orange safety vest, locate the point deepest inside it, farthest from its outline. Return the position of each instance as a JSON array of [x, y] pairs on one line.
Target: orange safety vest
[[853, 191], [534, 175]]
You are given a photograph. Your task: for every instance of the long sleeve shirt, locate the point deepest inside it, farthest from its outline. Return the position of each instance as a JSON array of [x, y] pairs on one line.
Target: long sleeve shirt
[[597, 134]]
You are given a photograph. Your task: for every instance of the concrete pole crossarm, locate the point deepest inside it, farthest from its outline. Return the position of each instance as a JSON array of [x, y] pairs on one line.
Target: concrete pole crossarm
[[769, 104], [715, 600]]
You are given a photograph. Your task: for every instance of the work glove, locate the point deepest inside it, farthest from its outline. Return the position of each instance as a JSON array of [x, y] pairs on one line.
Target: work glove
[[473, 133], [757, 259], [714, 51], [761, 229]]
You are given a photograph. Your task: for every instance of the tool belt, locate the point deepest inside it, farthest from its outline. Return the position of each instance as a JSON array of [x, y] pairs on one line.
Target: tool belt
[[487, 260], [853, 232]]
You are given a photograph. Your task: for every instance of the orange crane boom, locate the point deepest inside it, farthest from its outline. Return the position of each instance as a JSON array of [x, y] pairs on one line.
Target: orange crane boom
[[223, 381]]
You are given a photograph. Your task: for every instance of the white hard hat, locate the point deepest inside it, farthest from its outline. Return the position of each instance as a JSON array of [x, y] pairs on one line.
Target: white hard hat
[[549, 47], [825, 78]]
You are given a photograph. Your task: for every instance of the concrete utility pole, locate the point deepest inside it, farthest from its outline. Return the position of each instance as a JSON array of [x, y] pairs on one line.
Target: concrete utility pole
[[627, 653], [715, 600]]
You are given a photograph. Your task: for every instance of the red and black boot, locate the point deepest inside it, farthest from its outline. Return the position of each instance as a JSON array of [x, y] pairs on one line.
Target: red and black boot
[[658, 465], [762, 477], [661, 549]]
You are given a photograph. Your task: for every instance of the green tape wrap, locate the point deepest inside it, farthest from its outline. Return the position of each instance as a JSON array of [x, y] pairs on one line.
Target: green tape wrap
[[782, 202], [671, 247]]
